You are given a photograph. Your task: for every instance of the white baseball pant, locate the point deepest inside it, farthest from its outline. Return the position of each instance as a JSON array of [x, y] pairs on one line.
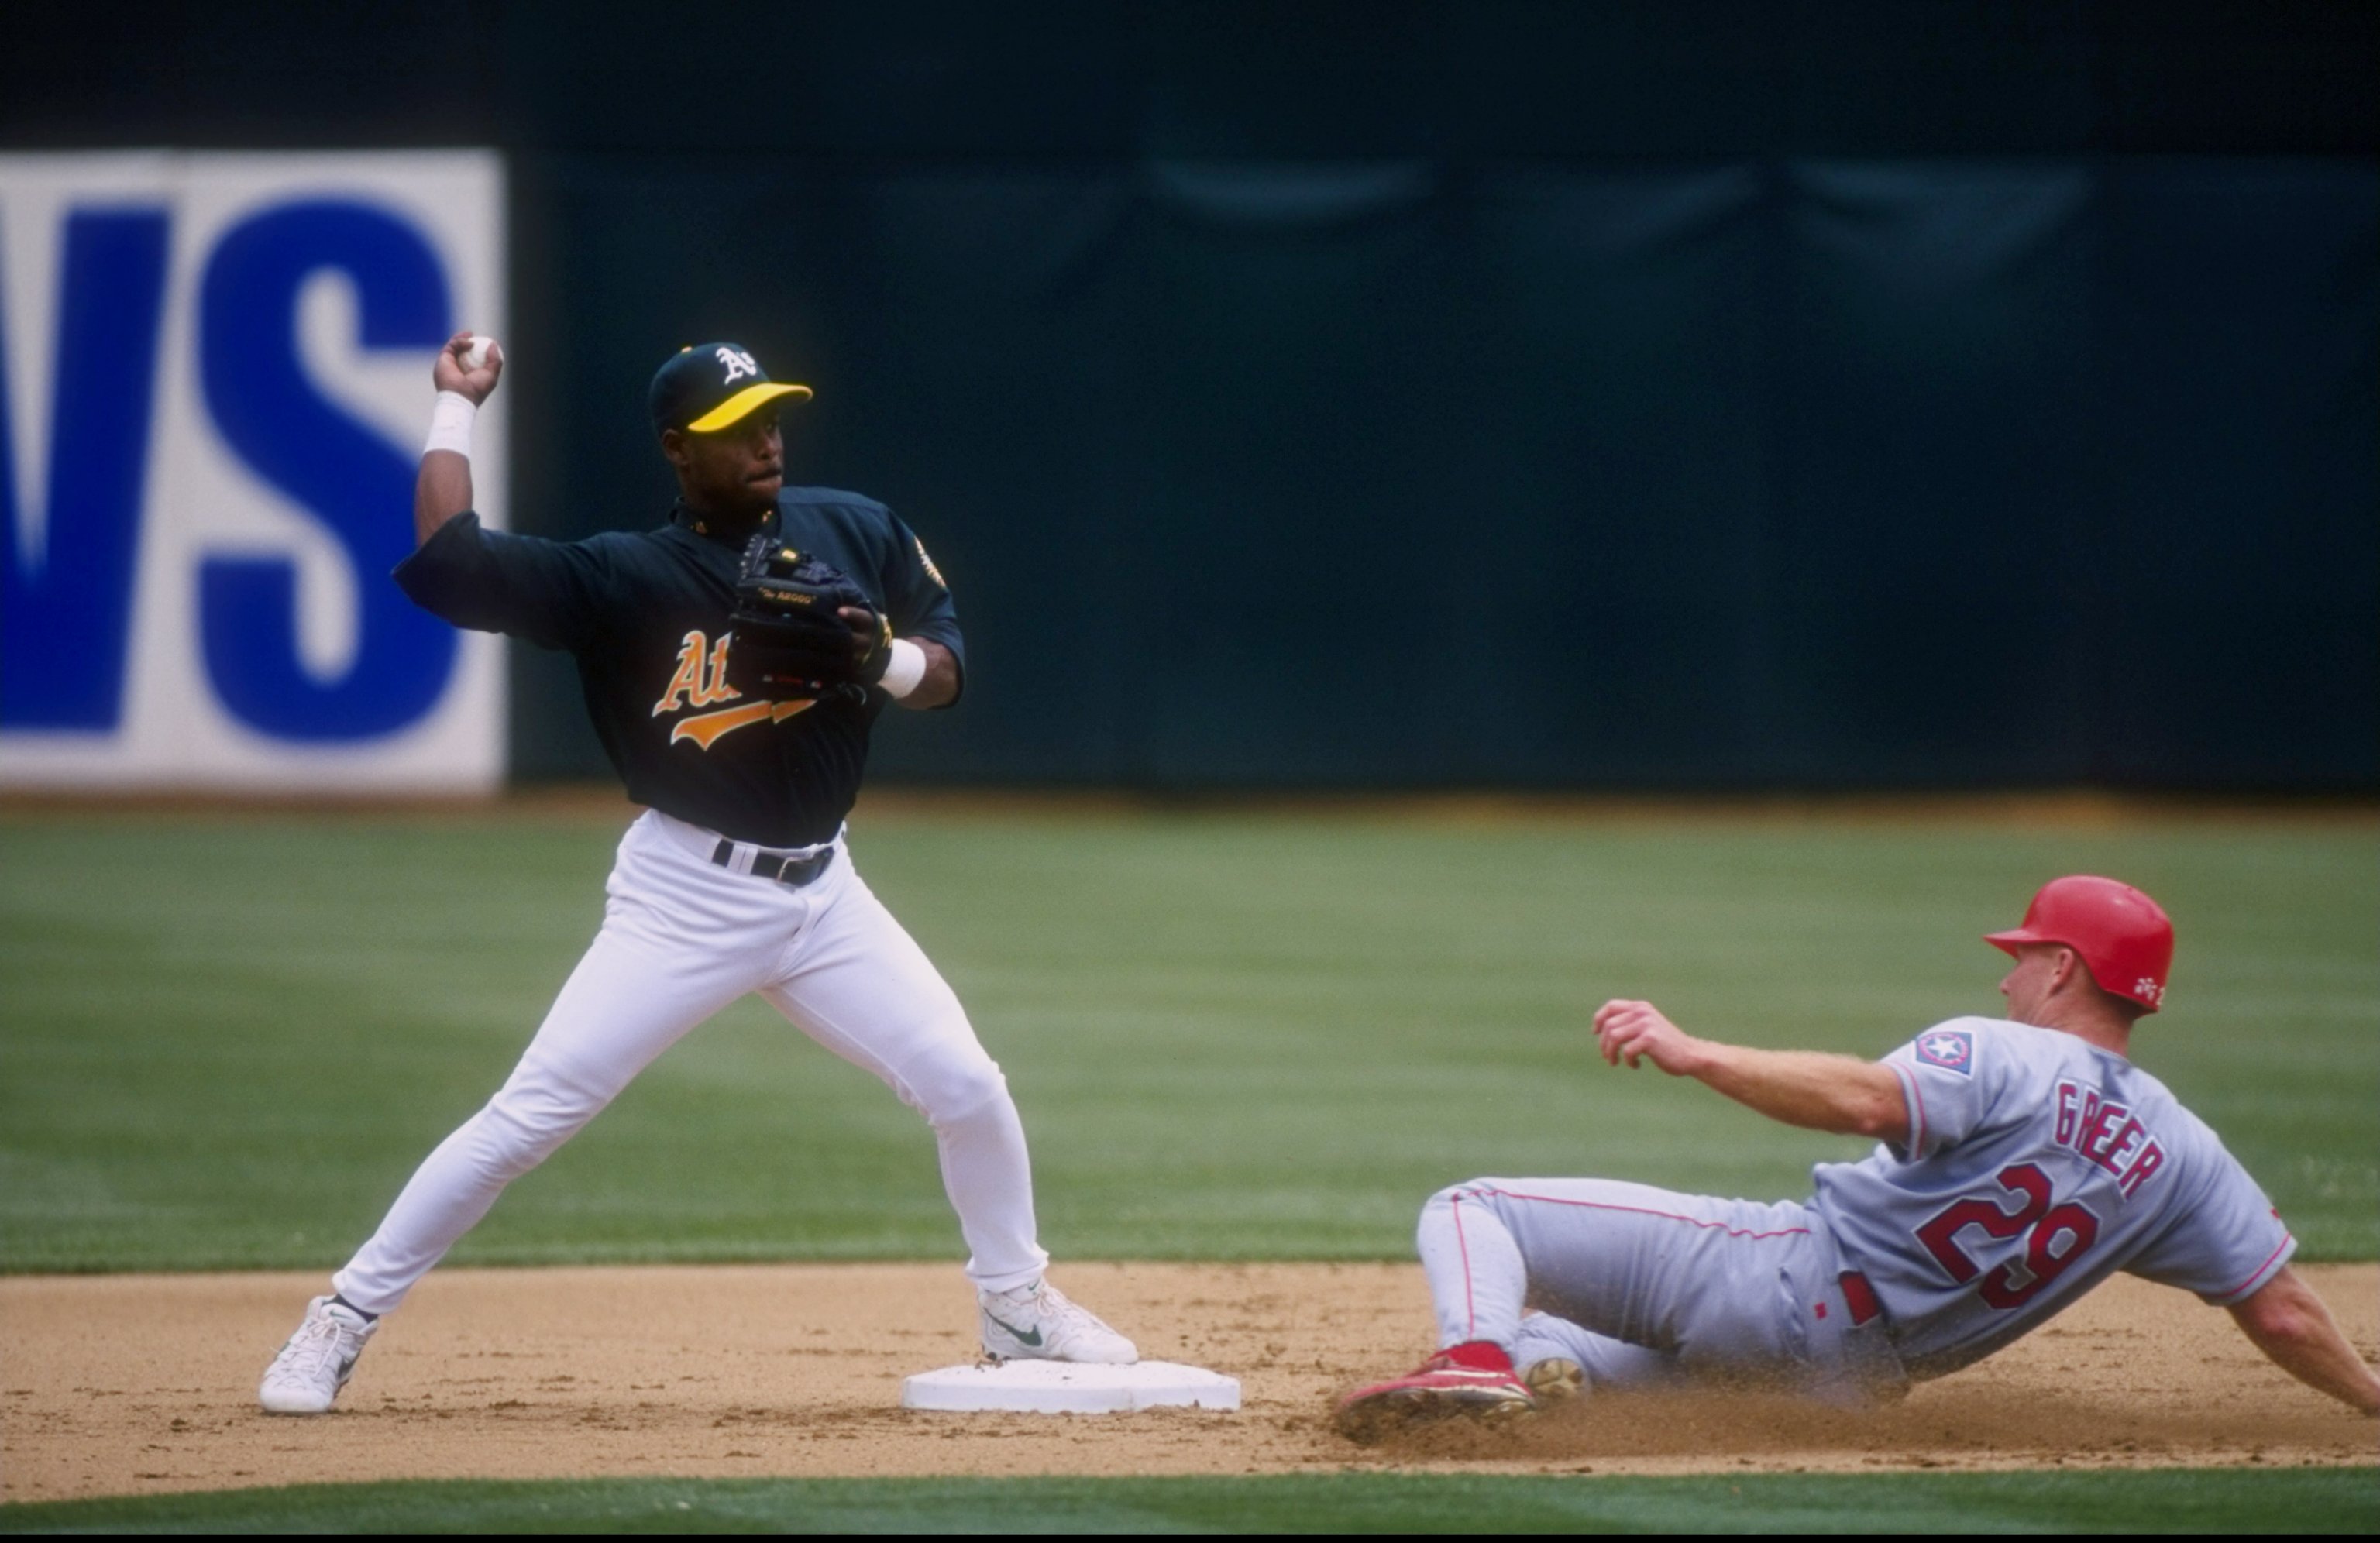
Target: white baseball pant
[[1646, 1287], [682, 938]]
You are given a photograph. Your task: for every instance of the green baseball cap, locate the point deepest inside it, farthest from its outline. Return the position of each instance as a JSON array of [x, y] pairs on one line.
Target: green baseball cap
[[705, 388]]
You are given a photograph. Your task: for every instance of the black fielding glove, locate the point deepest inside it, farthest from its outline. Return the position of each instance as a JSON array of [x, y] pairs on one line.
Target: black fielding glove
[[789, 640]]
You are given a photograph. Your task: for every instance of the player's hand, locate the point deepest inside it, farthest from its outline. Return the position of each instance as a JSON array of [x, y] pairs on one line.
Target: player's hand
[[1637, 1032], [871, 641], [449, 373]]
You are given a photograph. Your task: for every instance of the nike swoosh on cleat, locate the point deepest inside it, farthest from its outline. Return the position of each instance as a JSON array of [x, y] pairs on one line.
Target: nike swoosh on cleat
[[1030, 1342]]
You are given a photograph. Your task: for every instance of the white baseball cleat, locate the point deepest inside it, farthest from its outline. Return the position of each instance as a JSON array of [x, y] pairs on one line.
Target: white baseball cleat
[[1037, 1323], [317, 1361]]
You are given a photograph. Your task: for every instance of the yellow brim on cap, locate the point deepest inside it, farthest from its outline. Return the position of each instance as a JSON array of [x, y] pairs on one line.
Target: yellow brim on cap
[[741, 405]]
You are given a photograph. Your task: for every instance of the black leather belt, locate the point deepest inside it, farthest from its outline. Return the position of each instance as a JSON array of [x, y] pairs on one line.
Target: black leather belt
[[795, 871]]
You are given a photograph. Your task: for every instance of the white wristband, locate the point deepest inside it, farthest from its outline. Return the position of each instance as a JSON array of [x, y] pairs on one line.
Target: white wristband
[[905, 669], [450, 424]]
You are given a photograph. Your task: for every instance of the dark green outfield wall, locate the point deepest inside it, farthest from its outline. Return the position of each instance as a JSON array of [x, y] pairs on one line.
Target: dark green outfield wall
[[1707, 394], [1433, 470]]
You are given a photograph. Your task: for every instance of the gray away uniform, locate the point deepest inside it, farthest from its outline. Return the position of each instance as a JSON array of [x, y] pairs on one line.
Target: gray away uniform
[[2036, 1166]]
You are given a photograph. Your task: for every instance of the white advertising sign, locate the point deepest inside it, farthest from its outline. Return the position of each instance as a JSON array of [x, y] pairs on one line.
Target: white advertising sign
[[214, 380]]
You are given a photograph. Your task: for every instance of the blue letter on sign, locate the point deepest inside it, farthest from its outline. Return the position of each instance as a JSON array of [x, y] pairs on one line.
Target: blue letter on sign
[[354, 482], [66, 618]]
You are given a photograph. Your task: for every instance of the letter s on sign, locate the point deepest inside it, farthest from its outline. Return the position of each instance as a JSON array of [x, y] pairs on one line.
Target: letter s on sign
[[356, 483]]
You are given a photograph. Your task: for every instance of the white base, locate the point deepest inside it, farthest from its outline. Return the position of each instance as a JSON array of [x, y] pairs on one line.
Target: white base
[[1067, 1388]]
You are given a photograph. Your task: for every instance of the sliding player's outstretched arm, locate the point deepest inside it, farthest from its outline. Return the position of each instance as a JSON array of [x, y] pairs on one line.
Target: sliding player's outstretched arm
[[1837, 1093], [2289, 1322]]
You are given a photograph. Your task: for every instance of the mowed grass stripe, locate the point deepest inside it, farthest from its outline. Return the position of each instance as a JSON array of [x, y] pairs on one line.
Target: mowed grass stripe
[[228, 1040], [2195, 1500]]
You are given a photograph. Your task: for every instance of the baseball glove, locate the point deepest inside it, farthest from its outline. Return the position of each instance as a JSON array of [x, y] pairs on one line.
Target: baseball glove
[[790, 640]]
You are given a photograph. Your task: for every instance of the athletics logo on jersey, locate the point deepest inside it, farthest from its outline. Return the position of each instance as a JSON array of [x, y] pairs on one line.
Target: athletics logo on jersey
[[1953, 1050], [701, 681]]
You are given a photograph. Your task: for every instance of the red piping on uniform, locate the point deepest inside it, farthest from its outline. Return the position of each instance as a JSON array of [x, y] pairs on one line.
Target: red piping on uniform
[[1469, 1313], [1633, 1210], [1918, 1098], [2286, 1241]]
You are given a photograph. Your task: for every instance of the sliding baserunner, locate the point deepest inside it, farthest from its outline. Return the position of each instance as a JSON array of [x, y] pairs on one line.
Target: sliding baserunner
[[2023, 1160]]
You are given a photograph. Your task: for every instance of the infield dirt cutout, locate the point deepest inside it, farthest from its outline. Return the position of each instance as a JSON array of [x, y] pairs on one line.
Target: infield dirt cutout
[[137, 1383]]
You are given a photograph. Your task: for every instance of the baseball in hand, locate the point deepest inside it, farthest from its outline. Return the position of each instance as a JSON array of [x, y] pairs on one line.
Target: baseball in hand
[[477, 354]]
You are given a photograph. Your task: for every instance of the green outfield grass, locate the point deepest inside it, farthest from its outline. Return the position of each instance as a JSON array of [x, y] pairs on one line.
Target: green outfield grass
[[2202, 1500], [228, 1039]]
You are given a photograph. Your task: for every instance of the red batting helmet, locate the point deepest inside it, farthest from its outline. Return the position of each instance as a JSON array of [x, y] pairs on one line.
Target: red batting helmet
[[2123, 935]]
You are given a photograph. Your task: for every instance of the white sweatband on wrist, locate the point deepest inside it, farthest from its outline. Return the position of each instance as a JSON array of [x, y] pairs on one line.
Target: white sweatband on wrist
[[905, 669], [450, 424]]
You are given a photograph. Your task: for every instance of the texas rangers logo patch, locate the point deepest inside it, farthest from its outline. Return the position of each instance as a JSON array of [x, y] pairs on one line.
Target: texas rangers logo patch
[[1953, 1050]]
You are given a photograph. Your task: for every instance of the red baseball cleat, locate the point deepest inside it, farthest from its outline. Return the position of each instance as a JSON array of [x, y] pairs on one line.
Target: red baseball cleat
[[1473, 1378]]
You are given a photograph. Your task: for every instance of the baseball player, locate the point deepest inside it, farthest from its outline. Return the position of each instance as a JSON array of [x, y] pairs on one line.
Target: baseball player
[[2023, 1161], [733, 660]]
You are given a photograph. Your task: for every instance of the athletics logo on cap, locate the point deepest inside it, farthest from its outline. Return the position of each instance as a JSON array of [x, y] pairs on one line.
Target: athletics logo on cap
[[1953, 1050], [696, 389]]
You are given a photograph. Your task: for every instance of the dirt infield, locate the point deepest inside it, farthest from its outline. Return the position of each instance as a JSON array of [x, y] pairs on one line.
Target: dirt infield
[[118, 1384]]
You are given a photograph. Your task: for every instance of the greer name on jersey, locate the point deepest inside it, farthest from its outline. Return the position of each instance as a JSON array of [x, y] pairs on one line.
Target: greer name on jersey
[[645, 614], [2036, 1166]]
